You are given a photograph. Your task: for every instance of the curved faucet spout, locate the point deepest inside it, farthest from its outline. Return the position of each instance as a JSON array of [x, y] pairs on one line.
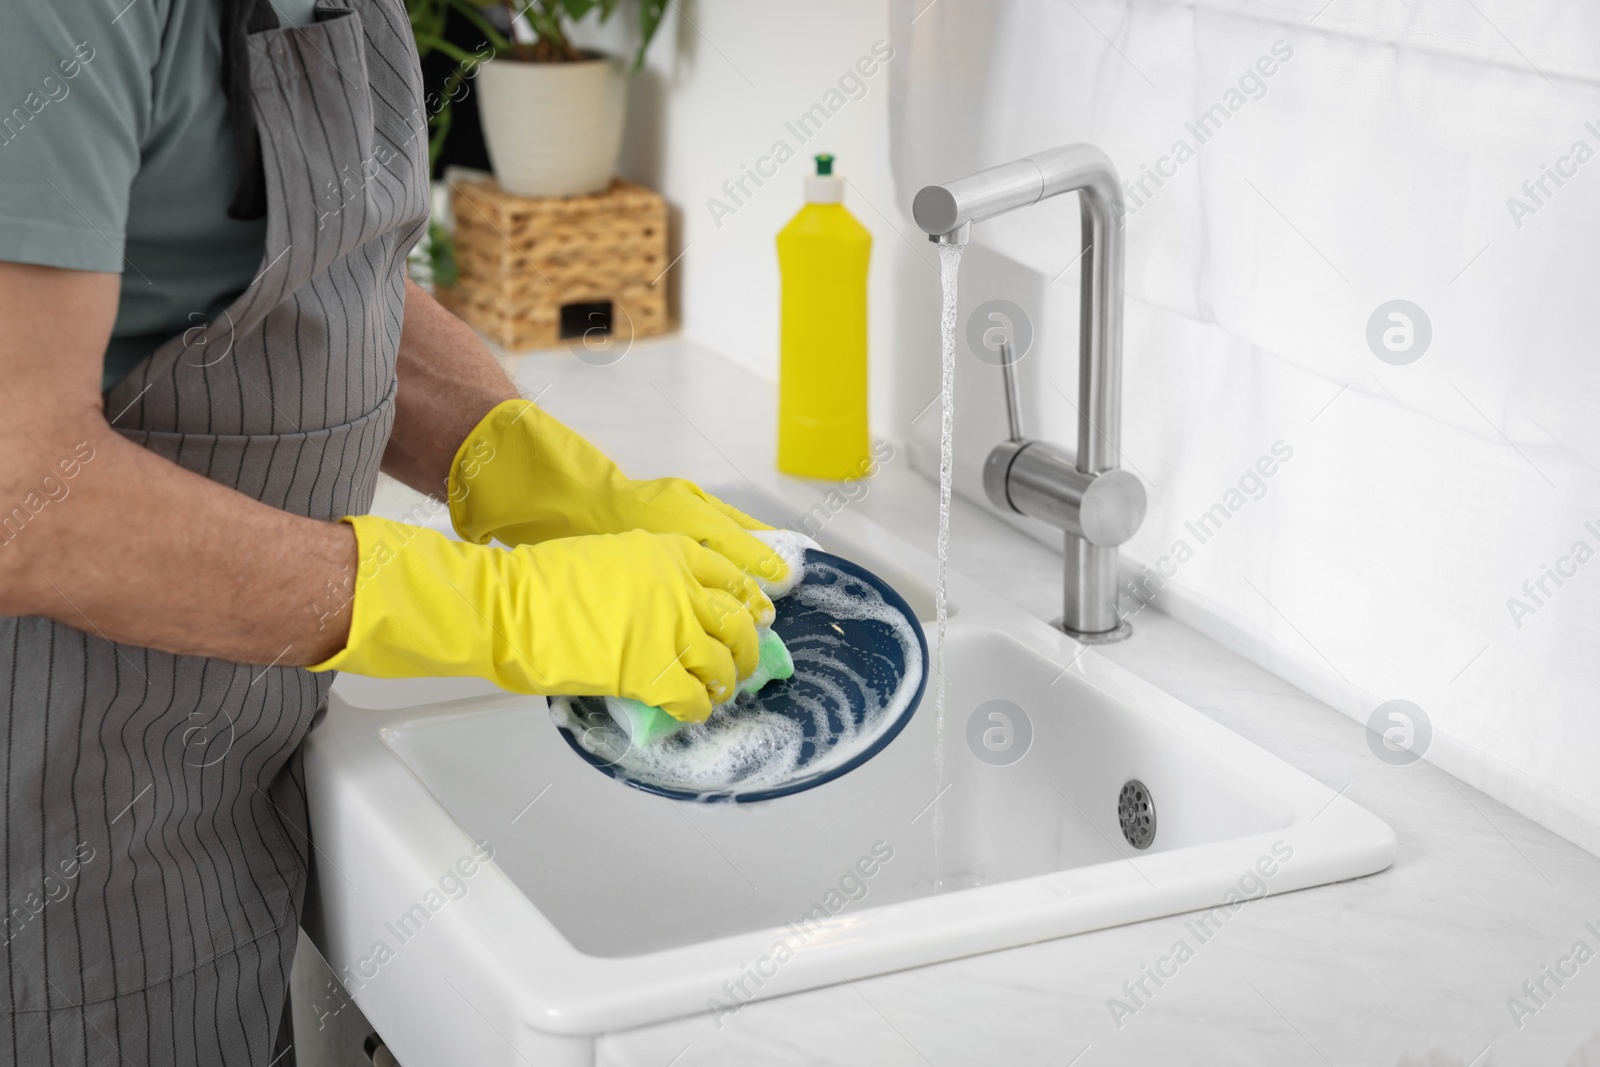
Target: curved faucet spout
[[946, 213], [941, 209]]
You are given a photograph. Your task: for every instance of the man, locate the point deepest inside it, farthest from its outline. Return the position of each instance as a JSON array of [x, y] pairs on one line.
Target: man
[[208, 351]]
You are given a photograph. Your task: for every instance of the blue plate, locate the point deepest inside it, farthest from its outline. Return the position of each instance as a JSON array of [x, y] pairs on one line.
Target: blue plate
[[861, 668]]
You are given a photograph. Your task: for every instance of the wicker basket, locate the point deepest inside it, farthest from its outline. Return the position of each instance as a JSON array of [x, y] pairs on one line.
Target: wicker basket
[[537, 271]]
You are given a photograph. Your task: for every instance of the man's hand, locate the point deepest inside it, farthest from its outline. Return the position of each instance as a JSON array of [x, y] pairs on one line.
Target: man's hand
[[653, 617], [515, 474], [108, 537], [522, 477]]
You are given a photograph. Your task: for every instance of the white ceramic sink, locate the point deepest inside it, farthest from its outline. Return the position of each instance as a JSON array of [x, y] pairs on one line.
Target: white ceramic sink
[[605, 908]]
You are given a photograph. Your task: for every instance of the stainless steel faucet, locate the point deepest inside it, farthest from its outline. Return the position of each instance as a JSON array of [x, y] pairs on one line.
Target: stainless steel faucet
[[1086, 494]]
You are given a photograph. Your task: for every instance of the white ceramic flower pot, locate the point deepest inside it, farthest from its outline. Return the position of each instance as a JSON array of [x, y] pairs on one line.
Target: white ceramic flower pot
[[553, 129]]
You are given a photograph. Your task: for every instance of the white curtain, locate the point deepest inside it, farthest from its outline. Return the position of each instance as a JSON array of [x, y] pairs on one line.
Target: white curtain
[[1433, 534]]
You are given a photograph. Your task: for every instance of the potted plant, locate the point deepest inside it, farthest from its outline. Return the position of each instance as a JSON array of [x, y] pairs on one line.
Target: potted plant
[[556, 135], [552, 113]]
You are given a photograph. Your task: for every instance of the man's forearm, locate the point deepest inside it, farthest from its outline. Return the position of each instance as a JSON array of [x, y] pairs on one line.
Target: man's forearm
[[448, 382], [119, 542], [141, 551]]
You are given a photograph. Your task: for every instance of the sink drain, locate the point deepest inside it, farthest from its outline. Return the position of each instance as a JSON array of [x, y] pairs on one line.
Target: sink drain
[[1136, 811]]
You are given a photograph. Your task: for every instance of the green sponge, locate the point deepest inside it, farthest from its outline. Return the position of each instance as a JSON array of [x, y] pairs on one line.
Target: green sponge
[[774, 665], [645, 725]]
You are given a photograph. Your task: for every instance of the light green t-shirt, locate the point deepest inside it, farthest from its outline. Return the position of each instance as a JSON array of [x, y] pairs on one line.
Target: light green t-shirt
[[116, 154]]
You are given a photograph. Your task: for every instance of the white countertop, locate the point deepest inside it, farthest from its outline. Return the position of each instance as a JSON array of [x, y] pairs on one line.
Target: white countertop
[[1413, 966]]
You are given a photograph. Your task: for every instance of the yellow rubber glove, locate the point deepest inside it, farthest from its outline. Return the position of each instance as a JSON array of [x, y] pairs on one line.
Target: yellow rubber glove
[[655, 617], [522, 477]]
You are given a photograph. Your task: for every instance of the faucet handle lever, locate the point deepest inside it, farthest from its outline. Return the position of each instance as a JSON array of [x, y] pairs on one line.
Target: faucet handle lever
[[1008, 371]]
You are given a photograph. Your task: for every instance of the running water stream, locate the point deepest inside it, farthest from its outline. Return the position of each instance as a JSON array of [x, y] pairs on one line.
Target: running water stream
[[949, 272]]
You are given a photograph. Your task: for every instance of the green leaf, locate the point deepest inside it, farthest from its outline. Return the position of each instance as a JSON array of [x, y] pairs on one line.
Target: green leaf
[[442, 255], [545, 22], [440, 122], [454, 51], [469, 11], [427, 23], [651, 13]]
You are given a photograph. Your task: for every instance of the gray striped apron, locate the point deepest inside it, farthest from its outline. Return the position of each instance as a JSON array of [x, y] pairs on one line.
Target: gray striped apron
[[154, 827]]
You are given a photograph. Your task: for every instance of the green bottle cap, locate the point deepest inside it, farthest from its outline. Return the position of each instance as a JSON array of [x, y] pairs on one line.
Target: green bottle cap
[[824, 164]]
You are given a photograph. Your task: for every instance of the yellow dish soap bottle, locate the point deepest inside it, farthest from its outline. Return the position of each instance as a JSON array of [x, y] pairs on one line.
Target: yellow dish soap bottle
[[822, 368]]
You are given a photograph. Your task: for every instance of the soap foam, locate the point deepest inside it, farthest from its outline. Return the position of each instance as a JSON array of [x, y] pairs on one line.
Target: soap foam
[[744, 747], [790, 545]]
